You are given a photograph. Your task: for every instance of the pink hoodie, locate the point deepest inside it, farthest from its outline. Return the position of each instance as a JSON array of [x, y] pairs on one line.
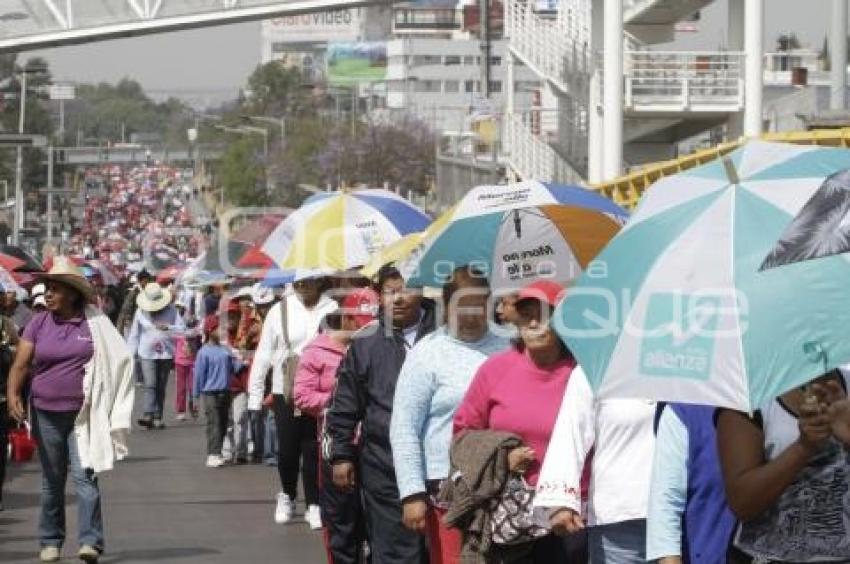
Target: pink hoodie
[[315, 378]]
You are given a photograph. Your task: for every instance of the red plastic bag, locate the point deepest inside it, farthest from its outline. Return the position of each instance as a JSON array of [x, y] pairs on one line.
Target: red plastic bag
[[23, 444]]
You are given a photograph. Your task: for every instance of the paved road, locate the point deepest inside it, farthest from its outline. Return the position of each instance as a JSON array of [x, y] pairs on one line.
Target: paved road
[[162, 505]]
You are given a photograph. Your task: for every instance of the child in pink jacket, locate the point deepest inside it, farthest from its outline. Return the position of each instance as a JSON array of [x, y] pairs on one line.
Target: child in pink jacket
[[185, 349], [315, 381]]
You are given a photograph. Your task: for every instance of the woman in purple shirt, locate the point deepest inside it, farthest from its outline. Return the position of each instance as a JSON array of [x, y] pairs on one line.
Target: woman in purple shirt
[[55, 348]]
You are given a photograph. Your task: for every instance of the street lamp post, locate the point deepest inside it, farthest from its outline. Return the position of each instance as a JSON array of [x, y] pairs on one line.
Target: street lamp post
[[19, 161]]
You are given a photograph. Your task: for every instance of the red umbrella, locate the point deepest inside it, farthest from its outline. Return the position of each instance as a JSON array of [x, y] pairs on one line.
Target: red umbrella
[[255, 258], [257, 231], [10, 263]]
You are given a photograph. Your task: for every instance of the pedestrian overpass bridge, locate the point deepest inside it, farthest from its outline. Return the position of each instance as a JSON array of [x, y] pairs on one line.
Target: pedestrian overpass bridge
[[32, 24], [83, 156]]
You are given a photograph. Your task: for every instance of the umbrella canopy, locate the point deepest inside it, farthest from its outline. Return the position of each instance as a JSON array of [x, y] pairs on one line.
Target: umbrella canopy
[[255, 258], [275, 277], [393, 253], [11, 263], [684, 310], [31, 264], [257, 231], [341, 230], [517, 233]]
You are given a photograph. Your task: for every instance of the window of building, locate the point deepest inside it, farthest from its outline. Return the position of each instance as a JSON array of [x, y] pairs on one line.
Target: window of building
[[469, 60], [495, 86], [452, 60], [495, 61], [427, 85], [469, 86], [450, 86], [420, 60]]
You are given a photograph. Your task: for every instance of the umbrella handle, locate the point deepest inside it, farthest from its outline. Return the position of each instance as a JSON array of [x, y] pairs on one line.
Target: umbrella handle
[[816, 353]]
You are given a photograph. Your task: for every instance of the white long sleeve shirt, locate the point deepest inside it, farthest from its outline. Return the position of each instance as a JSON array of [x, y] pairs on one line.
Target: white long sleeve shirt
[[620, 433], [303, 325]]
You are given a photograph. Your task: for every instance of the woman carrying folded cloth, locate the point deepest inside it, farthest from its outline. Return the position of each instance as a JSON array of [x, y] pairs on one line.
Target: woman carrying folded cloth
[[519, 391]]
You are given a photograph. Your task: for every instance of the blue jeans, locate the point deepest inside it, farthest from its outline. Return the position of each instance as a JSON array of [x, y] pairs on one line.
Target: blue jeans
[[155, 373], [618, 543], [57, 451]]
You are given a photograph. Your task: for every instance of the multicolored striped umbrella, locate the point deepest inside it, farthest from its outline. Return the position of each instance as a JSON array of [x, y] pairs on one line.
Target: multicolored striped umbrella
[[341, 230], [517, 233]]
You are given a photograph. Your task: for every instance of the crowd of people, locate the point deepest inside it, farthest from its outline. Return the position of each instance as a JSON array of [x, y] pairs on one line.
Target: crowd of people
[[451, 428]]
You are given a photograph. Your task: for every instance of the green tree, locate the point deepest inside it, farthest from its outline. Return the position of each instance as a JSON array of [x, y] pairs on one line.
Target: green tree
[[103, 113], [241, 173]]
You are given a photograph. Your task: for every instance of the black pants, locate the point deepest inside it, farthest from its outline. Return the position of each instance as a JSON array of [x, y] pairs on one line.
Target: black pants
[[342, 515], [4, 446], [297, 452], [217, 409], [570, 549], [258, 434], [390, 541]]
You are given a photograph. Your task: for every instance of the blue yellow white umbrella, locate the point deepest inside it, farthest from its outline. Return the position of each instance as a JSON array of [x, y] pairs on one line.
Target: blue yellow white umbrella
[[517, 233], [341, 230], [688, 307]]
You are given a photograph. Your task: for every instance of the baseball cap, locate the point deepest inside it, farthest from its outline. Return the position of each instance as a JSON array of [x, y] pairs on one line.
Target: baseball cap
[[362, 305], [39, 301], [39, 290], [545, 291]]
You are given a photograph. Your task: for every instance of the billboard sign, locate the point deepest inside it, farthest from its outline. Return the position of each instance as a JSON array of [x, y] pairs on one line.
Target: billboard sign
[[356, 62], [334, 25]]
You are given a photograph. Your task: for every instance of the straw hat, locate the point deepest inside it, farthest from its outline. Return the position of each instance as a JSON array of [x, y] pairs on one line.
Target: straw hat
[[68, 273], [153, 298]]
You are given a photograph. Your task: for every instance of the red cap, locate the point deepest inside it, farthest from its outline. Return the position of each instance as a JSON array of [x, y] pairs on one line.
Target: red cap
[[362, 305], [210, 323], [545, 291]]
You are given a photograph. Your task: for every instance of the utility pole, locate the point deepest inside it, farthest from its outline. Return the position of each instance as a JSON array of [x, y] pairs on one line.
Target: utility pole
[[50, 195], [19, 165], [484, 33]]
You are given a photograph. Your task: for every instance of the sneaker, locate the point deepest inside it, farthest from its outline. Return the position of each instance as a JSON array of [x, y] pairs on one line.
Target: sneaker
[[284, 510], [49, 554], [181, 417], [145, 422], [88, 553], [215, 461], [313, 516], [158, 424]]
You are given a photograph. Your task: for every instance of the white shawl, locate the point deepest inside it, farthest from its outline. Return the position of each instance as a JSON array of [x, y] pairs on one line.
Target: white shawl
[[103, 423]]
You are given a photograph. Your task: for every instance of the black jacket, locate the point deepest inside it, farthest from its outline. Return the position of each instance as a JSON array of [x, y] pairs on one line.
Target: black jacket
[[364, 394]]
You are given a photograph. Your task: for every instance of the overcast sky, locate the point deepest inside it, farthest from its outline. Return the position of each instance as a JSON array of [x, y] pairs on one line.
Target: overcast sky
[[213, 63]]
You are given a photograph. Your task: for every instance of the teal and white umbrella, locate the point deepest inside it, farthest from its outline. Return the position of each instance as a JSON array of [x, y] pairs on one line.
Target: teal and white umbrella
[[684, 304]]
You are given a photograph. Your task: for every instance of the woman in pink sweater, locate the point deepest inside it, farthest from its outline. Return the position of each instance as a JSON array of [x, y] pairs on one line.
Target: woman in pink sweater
[[315, 381], [520, 391]]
